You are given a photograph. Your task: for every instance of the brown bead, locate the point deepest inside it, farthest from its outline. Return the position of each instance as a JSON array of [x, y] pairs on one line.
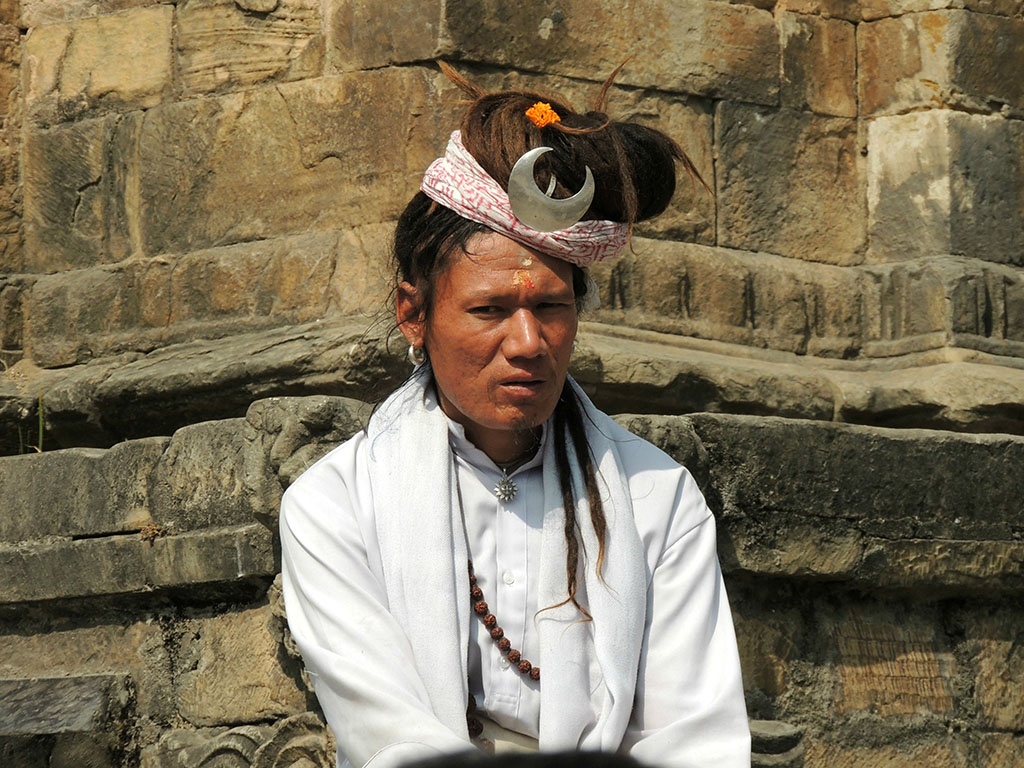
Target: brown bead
[[480, 607], [497, 633], [514, 656], [490, 621], [525, 667], [475, 727], [535, 673], [504, 644], [477, 593]]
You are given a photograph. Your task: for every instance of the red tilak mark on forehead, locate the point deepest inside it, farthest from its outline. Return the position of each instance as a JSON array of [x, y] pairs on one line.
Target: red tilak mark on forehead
[[522, 278]]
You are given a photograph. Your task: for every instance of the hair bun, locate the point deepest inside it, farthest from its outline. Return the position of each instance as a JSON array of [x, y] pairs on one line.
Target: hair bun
[[633, 165]]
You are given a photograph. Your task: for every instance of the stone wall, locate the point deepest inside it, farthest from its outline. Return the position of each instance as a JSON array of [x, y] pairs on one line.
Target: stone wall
[[210, 184], [195, 204], [876, 586]]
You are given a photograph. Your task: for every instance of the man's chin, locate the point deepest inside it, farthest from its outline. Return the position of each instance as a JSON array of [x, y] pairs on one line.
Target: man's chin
[[526, 418]]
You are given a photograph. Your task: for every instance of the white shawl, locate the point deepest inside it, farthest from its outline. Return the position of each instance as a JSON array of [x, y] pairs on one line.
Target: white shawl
[[423, 549]]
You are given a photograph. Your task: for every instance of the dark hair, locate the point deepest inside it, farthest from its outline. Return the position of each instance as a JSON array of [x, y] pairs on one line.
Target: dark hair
[[634, 177]]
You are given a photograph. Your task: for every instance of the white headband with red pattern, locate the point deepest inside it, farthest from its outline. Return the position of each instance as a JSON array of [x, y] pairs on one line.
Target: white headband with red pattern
[[457, 181]]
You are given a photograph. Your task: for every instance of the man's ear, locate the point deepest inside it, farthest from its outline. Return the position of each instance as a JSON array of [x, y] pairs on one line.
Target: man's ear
[[409, 313]]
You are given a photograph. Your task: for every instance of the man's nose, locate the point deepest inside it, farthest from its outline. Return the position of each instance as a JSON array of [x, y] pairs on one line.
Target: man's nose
[[524, 337]]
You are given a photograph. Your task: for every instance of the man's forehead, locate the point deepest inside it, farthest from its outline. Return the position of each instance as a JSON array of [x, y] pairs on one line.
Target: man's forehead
[[485, 245]]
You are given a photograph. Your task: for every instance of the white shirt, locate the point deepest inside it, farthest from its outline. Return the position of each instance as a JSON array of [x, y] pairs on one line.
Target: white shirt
[[688, 709], [504, 572]]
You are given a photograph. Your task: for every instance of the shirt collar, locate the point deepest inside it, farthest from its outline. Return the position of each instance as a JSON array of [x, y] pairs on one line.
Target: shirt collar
[[466, 450]]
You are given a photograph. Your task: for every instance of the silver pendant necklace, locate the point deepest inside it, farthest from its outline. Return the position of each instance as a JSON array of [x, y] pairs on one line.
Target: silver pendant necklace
[[505, 490]]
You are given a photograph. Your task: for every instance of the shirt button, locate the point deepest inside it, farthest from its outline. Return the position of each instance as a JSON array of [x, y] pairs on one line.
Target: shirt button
[[504, 663], [508, 577]]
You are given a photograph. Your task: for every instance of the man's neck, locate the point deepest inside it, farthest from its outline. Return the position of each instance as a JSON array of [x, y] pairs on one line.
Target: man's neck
[[506, 448]]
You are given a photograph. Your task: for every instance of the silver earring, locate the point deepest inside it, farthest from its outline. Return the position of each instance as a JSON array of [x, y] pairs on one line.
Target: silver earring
[[416, 355], [573, 350]]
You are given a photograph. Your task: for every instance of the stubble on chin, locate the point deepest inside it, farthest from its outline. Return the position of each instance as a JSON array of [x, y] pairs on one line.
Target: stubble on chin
[[526, 428]]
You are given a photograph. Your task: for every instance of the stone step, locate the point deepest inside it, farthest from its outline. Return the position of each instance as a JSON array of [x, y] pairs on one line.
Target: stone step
[[767, 301], [134, 564], [811, 500], [901, 510], [754, 299], [60, 705], [78, 492], [130, 396], [64, 722]]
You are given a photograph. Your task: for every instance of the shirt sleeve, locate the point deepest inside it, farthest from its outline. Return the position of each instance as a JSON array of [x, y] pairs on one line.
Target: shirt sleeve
[[357, 654], [689, 709]]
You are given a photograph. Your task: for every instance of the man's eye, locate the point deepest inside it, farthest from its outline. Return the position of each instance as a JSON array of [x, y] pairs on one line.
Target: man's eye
[[489, 309]]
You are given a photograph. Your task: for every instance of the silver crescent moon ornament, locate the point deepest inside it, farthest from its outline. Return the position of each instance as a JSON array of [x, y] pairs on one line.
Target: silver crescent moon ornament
[[535, 209]]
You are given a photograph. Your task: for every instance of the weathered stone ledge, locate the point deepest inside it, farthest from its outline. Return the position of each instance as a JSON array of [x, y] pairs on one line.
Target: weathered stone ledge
[[896, 484], [796, 499], [62, 705], [134, 395], [747, 298], [620, 367], [775, 302], [879, 508], [130, 564]]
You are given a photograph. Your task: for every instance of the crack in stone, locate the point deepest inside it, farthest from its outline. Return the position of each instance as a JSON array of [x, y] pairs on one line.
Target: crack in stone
[[78, 200]]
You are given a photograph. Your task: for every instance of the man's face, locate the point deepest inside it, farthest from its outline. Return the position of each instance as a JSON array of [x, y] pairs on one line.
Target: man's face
[[499, 338]]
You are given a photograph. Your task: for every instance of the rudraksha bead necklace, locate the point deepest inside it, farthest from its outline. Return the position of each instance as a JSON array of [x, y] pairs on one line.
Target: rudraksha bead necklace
[[490, 623], [481, 609]]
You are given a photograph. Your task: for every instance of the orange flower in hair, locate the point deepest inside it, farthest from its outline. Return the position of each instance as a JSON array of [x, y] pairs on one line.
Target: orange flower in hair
[[542, 114]]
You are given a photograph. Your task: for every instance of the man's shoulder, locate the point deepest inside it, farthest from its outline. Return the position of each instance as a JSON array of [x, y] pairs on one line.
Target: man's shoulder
[[666, 498], [637, 453], [332, 471]]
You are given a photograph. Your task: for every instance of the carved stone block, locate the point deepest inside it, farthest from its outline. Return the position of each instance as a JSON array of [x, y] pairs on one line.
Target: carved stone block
[[74, 194], [78, 67], [945, 182], [708, 49], [139, 304], [231, 672], [999, 659], [819, 64], [225, 44], [893, 668], [790, 183], [304, 156], [41, 706], [941, 58], [301, 740], [87, 492]]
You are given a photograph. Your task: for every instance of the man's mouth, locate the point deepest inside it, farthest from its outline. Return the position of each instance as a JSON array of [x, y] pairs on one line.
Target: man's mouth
[[526, 382]]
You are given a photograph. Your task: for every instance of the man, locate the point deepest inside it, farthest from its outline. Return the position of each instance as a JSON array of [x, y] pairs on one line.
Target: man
[[495, 561]]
